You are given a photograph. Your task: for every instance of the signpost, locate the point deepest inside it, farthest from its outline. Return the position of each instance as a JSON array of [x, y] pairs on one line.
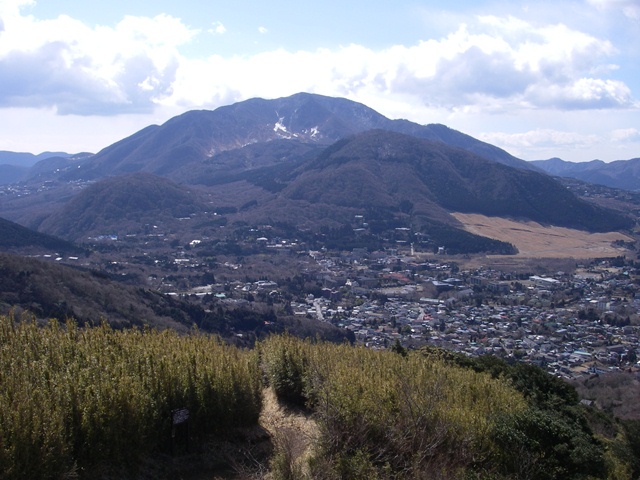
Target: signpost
[[179, 425], [179, 415]]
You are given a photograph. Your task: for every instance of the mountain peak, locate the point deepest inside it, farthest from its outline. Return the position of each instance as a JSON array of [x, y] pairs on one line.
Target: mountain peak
[[196, 136]]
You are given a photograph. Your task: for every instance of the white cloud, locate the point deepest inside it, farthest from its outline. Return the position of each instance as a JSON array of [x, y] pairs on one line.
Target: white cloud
[[491, 64], [630, 8], [543, 143], [539, 138], [583, 93], [64, 64], [497, 64], [263, 30], [624, 135], [218, 29]]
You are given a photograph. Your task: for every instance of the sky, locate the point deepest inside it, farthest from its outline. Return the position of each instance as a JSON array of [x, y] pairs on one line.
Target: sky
[[540, 79]]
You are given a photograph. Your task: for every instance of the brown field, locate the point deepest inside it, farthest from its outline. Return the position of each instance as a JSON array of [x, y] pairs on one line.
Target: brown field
[[537, 241]]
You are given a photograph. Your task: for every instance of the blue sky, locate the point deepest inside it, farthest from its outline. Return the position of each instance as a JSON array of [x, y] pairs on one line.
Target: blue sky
[[539, 79]]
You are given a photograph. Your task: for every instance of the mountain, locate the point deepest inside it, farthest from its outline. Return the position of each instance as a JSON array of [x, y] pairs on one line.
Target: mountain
[[17, 167], [404, 176], [624, 174], [198, 136], [17, 237], [22, 159], [395, 180], [124, 204], [305, 161], [12, 173]]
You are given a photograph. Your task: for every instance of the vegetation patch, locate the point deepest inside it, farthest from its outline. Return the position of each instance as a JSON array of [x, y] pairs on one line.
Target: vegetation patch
[[77, 400], [82, 402]]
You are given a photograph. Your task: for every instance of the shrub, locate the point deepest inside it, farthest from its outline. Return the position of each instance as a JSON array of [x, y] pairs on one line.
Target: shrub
[[382, 414], [285, 363], [74, 399]]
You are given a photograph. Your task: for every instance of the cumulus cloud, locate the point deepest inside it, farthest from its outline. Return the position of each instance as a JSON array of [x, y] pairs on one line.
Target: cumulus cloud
[[495, 64], [64, 64], [624, 135], [490, 64], [218, 28], [630, 8], [583, 93]]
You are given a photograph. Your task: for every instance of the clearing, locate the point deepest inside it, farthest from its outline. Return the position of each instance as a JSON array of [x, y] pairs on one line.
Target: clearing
[[534, 240]]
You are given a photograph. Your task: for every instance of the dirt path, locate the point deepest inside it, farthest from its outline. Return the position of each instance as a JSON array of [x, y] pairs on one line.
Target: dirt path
[[293, 431]]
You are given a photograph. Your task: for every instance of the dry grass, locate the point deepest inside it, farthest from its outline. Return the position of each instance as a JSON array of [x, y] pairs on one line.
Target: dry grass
[[294, 432], [534, 240]]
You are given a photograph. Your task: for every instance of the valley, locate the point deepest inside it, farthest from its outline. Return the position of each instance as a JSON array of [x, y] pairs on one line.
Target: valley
[[319, 218], [316, 214]]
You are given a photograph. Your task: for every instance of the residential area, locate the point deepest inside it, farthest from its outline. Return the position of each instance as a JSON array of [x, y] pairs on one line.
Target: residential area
[[573, 323]]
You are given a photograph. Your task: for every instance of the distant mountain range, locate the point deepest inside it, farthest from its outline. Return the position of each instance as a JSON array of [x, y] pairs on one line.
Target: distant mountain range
[[306, 161], [19, 159], [16, 167], [624, 174]]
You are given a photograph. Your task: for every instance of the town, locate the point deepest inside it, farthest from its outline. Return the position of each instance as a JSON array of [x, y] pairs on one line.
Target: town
[[571, 323]]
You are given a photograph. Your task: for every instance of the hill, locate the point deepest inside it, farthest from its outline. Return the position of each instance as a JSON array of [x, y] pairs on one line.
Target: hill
[[624, 174], [12, 174], [121, 205], [49, 290], [17, 237], [404, 177], [197, 136]]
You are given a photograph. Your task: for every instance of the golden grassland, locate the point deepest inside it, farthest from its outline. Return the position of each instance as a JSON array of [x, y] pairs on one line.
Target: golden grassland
[[534, 240]]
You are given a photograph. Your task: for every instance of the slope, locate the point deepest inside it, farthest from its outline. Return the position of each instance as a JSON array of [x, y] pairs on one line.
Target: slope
[[121, 205], [50, 290], [197, 136], [395, 172], [16, 237]]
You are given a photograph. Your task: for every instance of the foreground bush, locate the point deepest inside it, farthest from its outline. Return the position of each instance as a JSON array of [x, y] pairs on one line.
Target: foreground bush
[[383, 415], [72, 399]]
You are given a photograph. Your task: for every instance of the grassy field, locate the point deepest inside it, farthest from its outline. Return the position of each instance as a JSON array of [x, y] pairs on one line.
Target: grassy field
[[534, 240]]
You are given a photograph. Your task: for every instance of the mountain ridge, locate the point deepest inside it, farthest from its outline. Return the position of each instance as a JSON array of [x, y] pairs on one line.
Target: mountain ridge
[[395, 180], [198, 135], [15, 236], [434, 174], [623, 174]]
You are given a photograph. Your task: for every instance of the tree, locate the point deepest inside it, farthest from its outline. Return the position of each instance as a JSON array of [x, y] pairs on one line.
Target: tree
[[398, 348]]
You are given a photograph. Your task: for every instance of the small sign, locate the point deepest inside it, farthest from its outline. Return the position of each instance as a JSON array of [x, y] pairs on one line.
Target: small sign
[[179, 415]]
